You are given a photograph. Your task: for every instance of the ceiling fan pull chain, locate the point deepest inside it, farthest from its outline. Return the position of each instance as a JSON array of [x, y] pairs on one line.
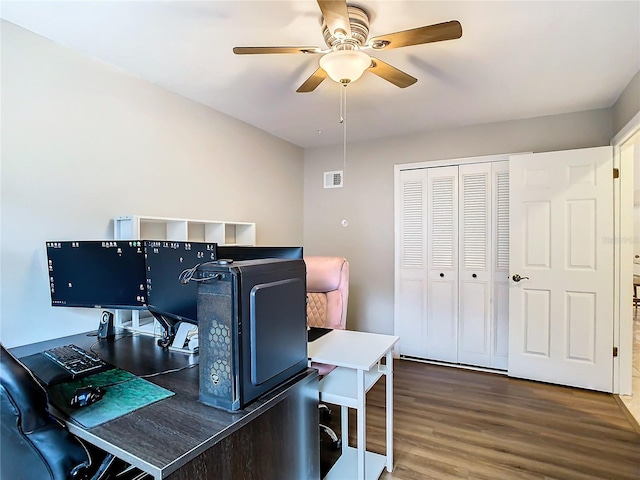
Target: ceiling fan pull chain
[[341, 108], [344, 133]]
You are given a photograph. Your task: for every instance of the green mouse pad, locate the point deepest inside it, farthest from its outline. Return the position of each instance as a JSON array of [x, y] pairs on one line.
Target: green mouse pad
[[124, 393]]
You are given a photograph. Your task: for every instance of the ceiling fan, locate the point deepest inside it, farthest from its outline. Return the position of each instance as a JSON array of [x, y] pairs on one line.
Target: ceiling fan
[[346, 32]]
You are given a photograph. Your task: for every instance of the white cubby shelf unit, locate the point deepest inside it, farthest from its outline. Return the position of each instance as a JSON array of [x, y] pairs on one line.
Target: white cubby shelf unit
[[137, 227], [140, 227]]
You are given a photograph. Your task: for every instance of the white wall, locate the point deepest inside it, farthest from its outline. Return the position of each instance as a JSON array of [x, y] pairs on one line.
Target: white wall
[[83, 142], [366, 200]]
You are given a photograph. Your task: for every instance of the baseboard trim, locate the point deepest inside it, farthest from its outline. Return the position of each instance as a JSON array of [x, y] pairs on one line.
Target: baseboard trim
[[454, 365], [623, 406]]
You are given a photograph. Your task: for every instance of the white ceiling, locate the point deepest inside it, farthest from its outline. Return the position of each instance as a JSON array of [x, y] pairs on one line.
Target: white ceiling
[[516, 59]]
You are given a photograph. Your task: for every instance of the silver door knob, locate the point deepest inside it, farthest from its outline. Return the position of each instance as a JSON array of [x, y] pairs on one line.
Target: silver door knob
[[517, 278]]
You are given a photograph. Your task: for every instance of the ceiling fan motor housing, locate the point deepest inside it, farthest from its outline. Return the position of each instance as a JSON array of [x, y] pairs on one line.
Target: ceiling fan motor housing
[[359, 21]]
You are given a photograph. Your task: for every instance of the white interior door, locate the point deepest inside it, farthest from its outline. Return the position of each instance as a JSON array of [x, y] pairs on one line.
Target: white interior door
[[561, 244]]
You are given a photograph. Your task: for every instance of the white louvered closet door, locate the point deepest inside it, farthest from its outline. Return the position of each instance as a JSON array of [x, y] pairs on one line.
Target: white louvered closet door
[[483, 338], [442, 264], [411, 274], [452, 287], [500, 265], [474, 320]]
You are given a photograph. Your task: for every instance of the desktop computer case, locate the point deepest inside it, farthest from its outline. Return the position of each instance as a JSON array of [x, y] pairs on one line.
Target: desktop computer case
[[251, 327]]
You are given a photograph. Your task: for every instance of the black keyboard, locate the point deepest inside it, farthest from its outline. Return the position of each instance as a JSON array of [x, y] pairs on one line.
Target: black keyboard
[[76, 360]]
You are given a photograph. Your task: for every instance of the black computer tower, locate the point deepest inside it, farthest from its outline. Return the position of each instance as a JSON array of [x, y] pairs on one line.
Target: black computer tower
[[251, 327]]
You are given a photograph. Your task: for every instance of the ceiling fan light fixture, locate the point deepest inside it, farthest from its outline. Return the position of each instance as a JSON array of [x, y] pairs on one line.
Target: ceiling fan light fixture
[[345, 66]]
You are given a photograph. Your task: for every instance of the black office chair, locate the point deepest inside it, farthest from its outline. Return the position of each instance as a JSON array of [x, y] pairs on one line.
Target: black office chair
[[34, 445]]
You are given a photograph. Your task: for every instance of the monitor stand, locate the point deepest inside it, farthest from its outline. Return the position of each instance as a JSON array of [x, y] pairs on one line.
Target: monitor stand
[[186, 339]]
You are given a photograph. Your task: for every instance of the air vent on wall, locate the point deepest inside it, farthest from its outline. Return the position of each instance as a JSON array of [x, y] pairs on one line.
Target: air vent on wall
[[333, 179]]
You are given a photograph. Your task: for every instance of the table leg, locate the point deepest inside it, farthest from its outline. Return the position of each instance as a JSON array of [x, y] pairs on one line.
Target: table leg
[[389, 410], [344, 424], [362, 436]]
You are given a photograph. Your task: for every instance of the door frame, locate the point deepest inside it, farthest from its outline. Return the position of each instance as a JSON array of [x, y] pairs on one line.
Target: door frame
[[623, 318]]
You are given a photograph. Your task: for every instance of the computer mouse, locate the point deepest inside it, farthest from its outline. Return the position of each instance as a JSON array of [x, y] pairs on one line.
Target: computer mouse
[[85, 396]]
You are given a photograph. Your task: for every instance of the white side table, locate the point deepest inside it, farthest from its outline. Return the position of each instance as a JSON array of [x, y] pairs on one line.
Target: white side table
[[357, 356]]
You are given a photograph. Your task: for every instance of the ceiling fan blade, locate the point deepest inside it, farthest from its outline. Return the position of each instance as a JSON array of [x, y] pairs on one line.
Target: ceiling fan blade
[[417, 36], [263, 50], [313, 81], [336, 16], [391, 74]]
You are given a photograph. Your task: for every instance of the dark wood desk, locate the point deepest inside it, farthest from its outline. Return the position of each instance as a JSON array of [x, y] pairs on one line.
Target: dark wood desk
[[275, 437]]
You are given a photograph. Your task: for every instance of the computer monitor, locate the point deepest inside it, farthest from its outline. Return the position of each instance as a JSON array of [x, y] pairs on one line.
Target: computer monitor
[[169, 300], [239, 253], [97, 274]]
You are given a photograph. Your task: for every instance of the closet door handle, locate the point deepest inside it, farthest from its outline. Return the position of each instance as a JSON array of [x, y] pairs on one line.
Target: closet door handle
[[474, 275], [442, 275]]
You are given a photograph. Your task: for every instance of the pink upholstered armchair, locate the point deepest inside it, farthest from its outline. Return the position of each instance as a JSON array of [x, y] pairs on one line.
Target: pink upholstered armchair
[[327, 295], [327, 291]]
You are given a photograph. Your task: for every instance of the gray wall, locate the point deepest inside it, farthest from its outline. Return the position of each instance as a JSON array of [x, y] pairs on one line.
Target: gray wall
[[628, 104], [366, 200], [82, 142]]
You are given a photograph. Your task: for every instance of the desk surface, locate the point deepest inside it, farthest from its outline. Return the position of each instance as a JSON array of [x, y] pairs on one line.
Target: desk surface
[[162, 437], [349, 349]]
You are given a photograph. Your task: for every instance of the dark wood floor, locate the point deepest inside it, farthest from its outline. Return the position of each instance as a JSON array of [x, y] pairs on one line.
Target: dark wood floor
[[451, 424]]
